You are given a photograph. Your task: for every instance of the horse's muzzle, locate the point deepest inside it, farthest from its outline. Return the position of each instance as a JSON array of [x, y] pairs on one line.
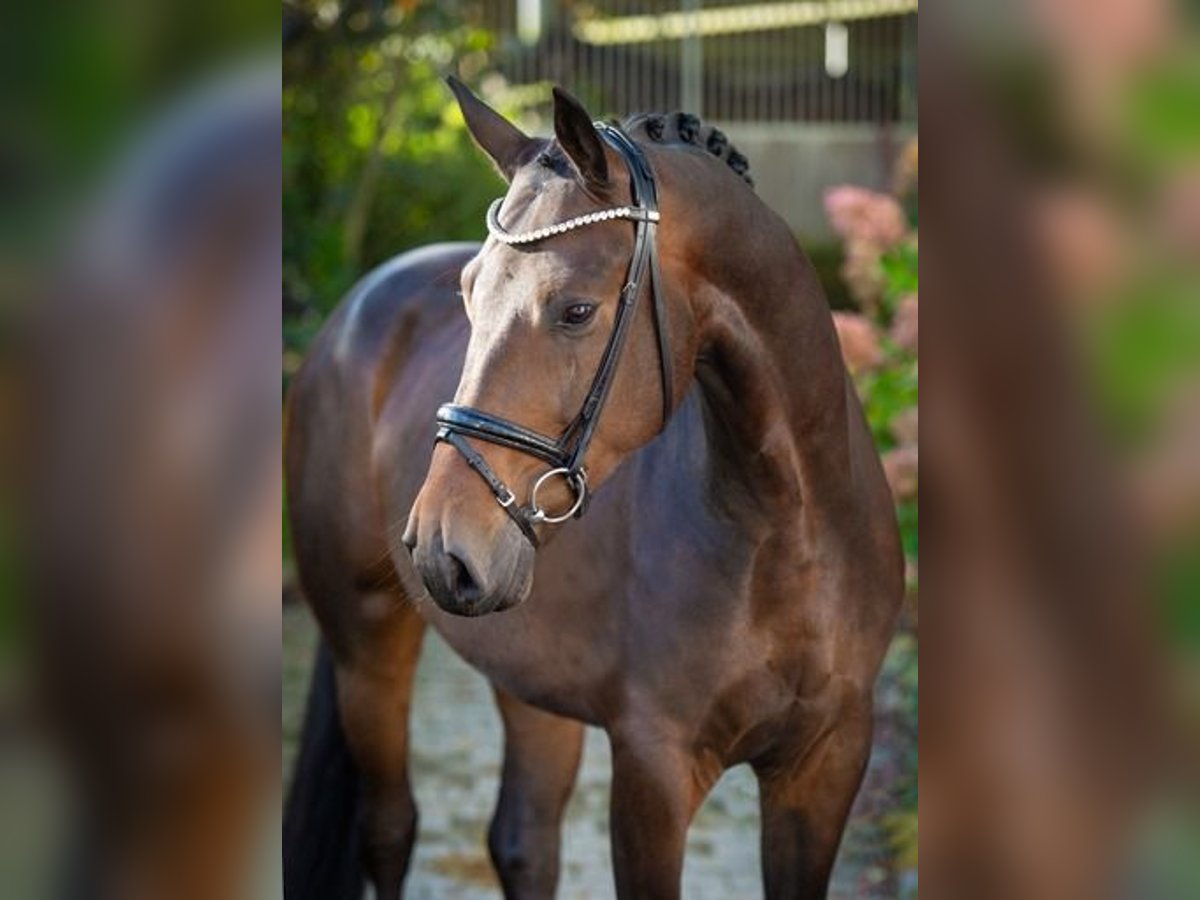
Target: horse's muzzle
[[466, 580]]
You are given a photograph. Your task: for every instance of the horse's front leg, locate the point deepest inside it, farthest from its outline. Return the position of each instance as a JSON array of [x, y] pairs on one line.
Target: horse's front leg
[[541, 760], [656, 789], [805, 792]]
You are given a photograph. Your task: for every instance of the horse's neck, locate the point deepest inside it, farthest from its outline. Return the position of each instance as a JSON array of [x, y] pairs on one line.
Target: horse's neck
[[774, 387]]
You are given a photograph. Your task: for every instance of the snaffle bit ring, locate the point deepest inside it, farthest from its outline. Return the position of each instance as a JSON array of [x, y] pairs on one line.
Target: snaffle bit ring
[[577, 481]]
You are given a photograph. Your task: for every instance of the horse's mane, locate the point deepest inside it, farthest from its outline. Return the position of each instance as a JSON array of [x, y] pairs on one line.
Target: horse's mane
[[685, 128]]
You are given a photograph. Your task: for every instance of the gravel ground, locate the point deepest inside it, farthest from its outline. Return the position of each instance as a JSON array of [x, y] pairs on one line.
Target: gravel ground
[[456, 742]]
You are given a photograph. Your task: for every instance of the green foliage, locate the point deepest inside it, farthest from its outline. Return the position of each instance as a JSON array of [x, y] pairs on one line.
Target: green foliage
[[1161, 111], [1178, 584], [1144, 345], [1144, 354], [900, 273], [902, 834], [890, 389], [887, 392], [376, 159]]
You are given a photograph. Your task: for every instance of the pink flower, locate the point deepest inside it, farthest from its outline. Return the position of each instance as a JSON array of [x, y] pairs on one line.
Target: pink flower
[[904, 426], [860, 215], [900, 467], [859, 340], [863, 275], [904, 324]]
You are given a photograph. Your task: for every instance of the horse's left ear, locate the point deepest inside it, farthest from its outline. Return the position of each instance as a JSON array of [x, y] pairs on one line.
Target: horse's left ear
[[577, 135]]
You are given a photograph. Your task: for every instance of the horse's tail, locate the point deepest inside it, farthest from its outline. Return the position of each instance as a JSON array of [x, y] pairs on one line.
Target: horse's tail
[[321, 827]]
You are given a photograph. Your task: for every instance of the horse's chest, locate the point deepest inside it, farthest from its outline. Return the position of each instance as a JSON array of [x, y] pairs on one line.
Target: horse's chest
[[648, 600]]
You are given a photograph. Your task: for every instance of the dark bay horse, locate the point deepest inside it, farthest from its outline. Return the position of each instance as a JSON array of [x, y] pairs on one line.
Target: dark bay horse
[[726, 597]]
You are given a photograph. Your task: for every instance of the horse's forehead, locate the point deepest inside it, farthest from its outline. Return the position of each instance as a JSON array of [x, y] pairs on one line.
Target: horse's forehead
[[535, 201], [581, 261], [575, 261], [548, 269]]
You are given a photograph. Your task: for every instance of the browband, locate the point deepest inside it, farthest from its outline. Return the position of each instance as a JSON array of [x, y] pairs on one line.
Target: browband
[[496, 230]]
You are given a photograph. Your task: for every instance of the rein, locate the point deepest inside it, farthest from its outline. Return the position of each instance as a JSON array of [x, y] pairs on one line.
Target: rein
[[565, 454]]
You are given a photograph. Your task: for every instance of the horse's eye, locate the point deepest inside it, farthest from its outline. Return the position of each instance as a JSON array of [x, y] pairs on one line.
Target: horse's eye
[[577, 314]]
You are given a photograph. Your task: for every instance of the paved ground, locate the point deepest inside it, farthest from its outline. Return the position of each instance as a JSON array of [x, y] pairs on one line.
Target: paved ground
[[456, 759]]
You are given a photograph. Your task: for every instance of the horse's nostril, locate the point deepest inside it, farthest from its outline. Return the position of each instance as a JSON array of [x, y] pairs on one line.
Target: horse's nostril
[[463, 581]]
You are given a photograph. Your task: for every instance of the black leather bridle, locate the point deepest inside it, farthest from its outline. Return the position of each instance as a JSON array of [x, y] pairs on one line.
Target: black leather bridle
[[566, 453]]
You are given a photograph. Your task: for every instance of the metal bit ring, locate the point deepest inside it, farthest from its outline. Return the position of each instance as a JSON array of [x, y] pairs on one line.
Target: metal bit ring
[[578, 483]]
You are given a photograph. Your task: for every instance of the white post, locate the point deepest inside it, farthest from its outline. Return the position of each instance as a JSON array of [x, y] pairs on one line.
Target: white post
[[691, 63]]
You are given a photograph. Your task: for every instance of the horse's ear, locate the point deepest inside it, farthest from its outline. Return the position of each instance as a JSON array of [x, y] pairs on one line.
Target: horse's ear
[[577, 135], [499, 138]]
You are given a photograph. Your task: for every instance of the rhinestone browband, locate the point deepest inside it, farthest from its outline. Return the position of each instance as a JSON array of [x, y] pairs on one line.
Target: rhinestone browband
[[528, 237]]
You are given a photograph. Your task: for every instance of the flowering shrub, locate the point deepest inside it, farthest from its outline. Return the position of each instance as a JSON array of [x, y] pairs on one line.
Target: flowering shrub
[[870, 225], [879, 341], [879, 344]]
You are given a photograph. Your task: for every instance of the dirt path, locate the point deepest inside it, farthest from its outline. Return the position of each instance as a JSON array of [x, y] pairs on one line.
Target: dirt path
[[456, 759]]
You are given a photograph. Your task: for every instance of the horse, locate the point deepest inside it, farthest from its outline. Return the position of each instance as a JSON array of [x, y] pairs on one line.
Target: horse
[[713, 579]]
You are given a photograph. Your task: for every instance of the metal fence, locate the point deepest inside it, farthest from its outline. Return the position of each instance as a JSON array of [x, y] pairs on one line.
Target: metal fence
[[783, 61]]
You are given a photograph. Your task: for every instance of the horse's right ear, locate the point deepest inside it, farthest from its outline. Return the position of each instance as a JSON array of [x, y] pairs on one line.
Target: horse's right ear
[[499, 138]]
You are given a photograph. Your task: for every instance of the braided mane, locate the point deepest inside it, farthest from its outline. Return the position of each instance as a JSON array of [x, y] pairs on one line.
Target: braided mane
[[685, 128]]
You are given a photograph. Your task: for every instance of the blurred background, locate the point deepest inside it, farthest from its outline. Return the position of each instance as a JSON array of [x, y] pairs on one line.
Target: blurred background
[[1061, 400], [821, 98], [140, 245]]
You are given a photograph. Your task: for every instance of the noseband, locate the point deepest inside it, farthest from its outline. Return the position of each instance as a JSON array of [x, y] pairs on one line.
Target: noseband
[[565, 454]]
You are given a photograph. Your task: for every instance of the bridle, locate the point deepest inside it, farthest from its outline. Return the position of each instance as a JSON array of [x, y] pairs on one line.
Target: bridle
[[566, 453]]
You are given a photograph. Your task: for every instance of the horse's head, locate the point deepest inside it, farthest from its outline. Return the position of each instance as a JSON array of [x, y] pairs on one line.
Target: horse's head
[[543, 310]]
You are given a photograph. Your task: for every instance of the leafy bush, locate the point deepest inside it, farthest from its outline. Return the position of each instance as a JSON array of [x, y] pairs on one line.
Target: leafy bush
[[879, 342], [376, 158]]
